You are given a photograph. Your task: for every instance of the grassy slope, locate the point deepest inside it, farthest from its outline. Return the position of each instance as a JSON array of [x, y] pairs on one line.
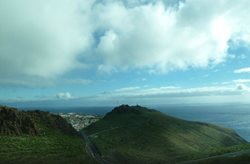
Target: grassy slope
[[241, 155], [152, 137], [51, 146], [43, 149], [244, 159]]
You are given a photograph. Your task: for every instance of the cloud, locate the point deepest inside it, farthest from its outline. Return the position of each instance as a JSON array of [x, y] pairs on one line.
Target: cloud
[[127, 89], [174, 95], [77, 81], [163, 38], [242, 70], [48, 38], [172, 91], [64, 95], [21, 81], [242, 87], [41, 38], [239, 93], [242, 81]]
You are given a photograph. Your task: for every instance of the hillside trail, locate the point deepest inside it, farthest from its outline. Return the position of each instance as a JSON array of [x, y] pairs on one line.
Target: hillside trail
[[91, 149]]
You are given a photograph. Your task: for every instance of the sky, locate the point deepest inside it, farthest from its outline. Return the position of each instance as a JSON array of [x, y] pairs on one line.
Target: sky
[[108, 52]]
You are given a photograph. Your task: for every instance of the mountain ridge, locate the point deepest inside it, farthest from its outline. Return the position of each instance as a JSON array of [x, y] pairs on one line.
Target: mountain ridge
[[137, 134], [15, 122], [33, 137]]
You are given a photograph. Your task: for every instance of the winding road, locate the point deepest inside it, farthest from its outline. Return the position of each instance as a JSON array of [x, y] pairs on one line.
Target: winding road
[[91, 149]]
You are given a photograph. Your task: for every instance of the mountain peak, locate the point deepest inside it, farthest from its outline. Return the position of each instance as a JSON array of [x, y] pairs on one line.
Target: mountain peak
[[124, 108]]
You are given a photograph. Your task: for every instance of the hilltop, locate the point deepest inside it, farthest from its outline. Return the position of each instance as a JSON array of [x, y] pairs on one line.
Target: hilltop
[[135, 134], [32, 137], [13, 122]]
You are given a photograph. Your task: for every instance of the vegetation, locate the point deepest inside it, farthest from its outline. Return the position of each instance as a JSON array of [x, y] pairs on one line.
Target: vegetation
[[243, 159], [127, 134], [13, 122], [139, 135], [230, 155], [49, 140]]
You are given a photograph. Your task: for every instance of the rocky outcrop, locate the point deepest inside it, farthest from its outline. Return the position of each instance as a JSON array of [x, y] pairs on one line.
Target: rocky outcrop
[[14, 122]]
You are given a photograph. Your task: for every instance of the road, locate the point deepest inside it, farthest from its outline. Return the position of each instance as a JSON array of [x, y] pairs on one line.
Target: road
[[227, 155], [91, 149], [103, 131]]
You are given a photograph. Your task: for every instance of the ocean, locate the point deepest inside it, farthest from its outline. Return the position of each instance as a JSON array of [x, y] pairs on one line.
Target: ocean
[[235, 116]]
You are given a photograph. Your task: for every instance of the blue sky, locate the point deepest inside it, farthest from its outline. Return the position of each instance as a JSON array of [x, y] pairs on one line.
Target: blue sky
[[88, 53]]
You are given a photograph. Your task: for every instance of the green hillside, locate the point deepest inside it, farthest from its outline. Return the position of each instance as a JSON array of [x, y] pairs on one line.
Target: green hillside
[[134, 134], [39, 137]]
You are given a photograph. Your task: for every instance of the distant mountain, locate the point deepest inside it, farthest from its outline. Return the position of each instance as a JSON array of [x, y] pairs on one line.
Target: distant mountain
[[134, 134], [33, 137]]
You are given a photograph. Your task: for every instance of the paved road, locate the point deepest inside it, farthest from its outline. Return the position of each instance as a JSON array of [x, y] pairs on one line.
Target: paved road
[[91, 149], [227, 155]]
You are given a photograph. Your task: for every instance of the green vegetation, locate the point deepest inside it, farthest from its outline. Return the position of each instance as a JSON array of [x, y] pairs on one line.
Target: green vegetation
[[42, 149], [243, 159], [139, 135], [50, 140], [125, 135], [230, 155]]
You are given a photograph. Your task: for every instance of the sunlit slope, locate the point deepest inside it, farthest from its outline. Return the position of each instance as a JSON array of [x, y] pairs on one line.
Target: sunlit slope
[[139, 135]]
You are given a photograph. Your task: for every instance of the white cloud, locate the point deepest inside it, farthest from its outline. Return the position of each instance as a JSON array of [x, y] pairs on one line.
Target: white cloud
[[239, 93], [47, 38], [172, 91], [242, 81], [176, 95], [162, 38], [77, 81], [64, 95], [127, 89], [242, 70], [41, 38]]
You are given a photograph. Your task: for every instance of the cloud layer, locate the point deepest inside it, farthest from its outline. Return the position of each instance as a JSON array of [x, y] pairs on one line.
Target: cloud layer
[[164, 38], [171, 91], [50, 37], [41, 38], [242, 70]]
